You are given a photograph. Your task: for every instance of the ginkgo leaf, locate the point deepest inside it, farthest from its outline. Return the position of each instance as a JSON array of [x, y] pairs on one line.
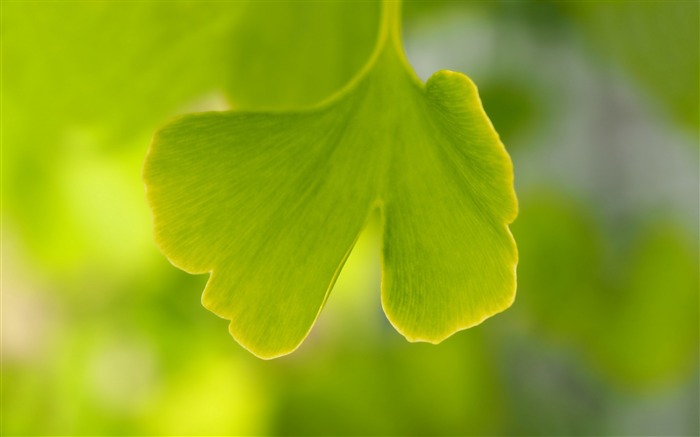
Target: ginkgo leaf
[[271, 203]]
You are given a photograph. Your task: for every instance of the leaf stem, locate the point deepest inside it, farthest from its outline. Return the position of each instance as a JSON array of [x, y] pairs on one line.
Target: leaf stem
[[390, 41], [391, 22]]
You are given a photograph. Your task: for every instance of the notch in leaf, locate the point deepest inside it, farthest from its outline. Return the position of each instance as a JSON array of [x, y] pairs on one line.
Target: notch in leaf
[[271, 203]]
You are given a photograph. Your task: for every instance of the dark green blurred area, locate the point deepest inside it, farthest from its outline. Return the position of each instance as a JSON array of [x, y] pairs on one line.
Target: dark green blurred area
[[597, 103]]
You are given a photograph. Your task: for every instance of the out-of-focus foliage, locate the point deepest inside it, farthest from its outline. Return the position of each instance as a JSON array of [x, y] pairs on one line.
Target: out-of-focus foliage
[[100, 335], [656, 42], [630, 304], [86, 83], [274, 65]]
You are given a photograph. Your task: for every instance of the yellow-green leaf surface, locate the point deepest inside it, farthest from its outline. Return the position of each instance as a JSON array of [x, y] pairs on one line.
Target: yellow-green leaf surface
[[271, 203]]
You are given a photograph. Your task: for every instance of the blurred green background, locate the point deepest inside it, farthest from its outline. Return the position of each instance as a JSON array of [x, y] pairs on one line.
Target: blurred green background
[[597, 102]]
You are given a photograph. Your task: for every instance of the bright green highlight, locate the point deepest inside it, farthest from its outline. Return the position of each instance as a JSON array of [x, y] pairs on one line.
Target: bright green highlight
[[271, 203]]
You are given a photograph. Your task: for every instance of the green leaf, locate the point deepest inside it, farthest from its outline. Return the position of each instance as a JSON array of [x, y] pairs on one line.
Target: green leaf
[[271, 203]]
